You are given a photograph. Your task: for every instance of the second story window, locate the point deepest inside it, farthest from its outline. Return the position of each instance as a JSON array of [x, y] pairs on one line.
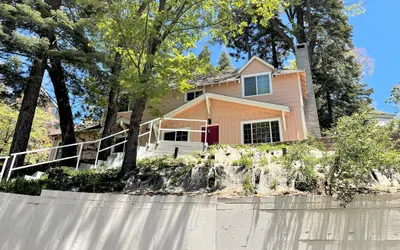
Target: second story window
[[259, 84], [190, 95]]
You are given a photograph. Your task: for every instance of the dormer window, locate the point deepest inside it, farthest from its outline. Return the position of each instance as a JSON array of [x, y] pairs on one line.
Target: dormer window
[[190, 95], [257, 84]]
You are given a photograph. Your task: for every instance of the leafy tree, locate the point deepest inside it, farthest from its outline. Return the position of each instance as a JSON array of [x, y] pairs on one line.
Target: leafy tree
[[155, 39], [38, 137], [361, 147], [224, 62], [395, 96]]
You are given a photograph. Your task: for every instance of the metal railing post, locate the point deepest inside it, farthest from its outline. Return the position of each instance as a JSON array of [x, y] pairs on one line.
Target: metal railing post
[[97, 155], [79, 156], [11, 166], [4, 167], [151, 128], [205, 134], [159, 132]]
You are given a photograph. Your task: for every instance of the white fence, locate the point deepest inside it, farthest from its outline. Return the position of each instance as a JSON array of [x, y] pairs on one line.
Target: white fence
[[151, 123]]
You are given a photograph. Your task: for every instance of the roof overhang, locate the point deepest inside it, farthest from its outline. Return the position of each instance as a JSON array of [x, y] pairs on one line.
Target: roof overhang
[[282, 108]]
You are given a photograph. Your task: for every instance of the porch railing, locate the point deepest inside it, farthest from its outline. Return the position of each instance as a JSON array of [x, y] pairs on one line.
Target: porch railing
[[13, 156]]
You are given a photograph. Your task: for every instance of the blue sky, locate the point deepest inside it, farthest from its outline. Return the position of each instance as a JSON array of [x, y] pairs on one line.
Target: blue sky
[[376, 32]]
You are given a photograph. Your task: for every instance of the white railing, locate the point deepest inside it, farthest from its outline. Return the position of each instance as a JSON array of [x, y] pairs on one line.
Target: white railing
[[99, 149], [186, 130], [5, 158]]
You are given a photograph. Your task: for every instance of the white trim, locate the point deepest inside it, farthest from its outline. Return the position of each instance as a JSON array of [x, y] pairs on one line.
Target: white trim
[[255, 75], [228, 99], [303, 118], [192, 91], [258, 59], [257, 121], [175, 130]]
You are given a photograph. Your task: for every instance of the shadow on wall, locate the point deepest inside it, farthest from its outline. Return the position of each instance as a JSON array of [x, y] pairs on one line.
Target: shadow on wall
[[91, 221], [308, 222], [102, 221]]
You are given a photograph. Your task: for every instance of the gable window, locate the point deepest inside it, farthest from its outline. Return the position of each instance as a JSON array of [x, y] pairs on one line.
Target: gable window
[[261, 132], [190, 95], [259, 84], [176, 136]]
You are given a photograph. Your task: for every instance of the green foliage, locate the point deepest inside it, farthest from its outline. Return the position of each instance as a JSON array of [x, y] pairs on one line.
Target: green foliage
[[299, 164], [38, 137], [224, 62], [264, 161], [245, 161], [22, 186], [65, 179], [248, 187], [360, 147], [395, 97], [273, 184]]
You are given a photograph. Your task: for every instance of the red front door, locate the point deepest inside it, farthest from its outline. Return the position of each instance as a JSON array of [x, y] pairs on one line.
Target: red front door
[[212, 135]]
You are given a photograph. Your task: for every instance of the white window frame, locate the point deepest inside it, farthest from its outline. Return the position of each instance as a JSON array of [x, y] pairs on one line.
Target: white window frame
[[255, 75], [177, 129], [191, 91], [257, 121]]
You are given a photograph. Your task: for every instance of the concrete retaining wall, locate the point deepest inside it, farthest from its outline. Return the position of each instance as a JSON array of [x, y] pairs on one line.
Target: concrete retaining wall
[[65, 220]]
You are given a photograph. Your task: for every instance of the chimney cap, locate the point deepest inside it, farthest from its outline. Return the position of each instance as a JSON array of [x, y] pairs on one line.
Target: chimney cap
[[301, 45]]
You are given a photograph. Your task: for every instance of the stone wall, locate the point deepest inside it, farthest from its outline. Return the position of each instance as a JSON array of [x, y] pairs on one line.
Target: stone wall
[[65, 220]]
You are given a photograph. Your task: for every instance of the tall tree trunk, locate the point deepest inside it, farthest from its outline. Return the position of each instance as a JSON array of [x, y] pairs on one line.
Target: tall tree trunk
[[57, 76], [112, 107], [329, 107], [133, 136], [275, 60], [27, 112]]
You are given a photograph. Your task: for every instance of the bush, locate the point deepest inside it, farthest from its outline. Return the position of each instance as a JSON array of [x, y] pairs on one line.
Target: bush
[[299, 164], [248, 187], [360, 147], [65, 179], [244, 161], [22, 186]]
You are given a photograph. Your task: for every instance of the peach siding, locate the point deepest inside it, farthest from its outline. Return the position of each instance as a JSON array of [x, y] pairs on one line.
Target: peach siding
[[285, 91], [255, 67], [229, 117]]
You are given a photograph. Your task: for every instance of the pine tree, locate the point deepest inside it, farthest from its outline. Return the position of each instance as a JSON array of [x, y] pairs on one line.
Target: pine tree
[[49, 40], [224, 62], [205, 58]]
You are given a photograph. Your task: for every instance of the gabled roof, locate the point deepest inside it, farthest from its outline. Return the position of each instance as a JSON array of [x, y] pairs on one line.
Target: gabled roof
[[258, 59], [228, 99]]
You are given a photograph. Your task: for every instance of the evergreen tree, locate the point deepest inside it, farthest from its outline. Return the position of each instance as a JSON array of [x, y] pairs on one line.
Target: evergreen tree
[[48, 39], [205, 58], [224, 62]]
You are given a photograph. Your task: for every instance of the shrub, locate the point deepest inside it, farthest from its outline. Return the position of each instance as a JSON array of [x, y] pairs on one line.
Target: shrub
[[65, 179], [22, 186], [360, 147], [248, 187], [273, 184], [299, 165], [244, 161]]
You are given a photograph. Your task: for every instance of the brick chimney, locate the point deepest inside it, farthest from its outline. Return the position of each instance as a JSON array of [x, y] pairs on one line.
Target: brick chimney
[[310, 105]]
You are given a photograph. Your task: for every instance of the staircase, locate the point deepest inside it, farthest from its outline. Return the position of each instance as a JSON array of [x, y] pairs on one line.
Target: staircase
[[164, 148]]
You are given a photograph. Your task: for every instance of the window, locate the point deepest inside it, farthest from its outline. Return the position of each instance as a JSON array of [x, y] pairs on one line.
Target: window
[[257, 85], [192, 95], [261, 132], [176, 136]]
